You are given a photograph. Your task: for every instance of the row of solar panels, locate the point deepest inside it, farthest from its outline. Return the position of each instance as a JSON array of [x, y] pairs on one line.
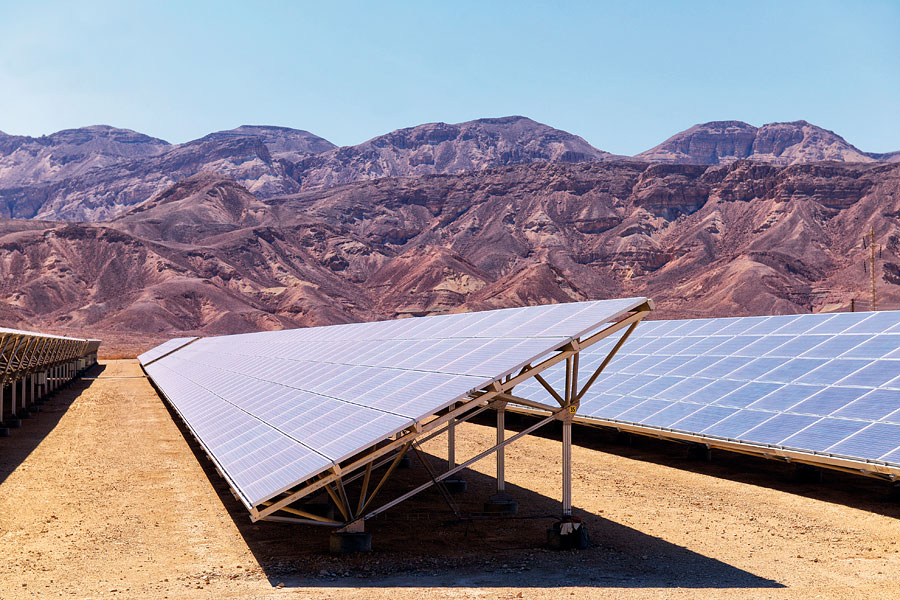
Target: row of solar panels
[[274, 409], [822, 384], [24, 352]]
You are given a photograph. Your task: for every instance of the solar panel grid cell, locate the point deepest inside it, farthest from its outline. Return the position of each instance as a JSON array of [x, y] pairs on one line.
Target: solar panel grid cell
[[671, 414], [777, 428], [704, 417], [644, 410], [823, 433]]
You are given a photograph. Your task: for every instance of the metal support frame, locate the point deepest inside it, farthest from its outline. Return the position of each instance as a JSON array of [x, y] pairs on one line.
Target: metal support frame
[[451, 444], [496, 396], [567, 467], [501, 457]]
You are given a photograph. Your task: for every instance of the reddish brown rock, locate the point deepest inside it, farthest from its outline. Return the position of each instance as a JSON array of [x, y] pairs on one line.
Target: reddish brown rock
[[206, 256]]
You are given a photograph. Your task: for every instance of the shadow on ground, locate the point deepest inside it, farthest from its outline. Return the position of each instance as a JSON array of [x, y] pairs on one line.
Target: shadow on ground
[[24, 439], [420, 543]]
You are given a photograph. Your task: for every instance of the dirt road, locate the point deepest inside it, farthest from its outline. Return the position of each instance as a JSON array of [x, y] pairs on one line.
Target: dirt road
[[102, 496]]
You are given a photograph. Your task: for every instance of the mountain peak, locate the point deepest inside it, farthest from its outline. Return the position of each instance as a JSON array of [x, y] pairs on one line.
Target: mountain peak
[[282, 142], [722, 125], [447, 148], [504, 120], [723, 142]]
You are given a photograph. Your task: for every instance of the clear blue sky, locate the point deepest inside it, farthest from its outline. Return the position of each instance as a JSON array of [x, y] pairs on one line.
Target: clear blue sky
[[623, 75]]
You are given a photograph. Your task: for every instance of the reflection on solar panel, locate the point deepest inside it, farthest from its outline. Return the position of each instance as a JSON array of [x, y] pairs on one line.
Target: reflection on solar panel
[[822, 388], [277, 409], [163, 349]]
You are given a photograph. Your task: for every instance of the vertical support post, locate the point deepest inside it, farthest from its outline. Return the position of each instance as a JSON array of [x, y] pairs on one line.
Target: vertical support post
[[12, 388], [567, 467], [454, 484], [451, 444], [501, 462]]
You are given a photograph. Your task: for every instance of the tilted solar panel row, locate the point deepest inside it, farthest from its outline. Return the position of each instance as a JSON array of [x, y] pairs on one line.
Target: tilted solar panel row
[[274, 409], [818, 383]]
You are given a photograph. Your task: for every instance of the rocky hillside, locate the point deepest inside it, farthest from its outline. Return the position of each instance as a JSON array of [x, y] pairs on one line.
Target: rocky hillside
[[723, 142], [98, 173], [208, 256], [27, 161], [252, 156]]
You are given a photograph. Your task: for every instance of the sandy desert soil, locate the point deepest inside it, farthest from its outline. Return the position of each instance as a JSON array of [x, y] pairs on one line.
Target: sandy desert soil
[[102, 496]]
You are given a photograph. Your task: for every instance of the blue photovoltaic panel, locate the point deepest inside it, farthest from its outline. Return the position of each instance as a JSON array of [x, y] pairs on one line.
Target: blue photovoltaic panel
[[274, 409], [820, 383]]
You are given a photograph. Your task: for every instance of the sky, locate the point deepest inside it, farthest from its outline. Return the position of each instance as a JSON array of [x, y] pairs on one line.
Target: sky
[[623, 75]]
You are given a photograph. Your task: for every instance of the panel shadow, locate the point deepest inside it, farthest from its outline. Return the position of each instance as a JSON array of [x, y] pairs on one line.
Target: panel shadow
[[24, 439]]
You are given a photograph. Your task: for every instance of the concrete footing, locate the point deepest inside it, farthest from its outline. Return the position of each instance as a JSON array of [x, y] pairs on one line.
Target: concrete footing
[[569, 533], [501, 504], [456, 486], [344, 542], [4, 431], [12, 423]]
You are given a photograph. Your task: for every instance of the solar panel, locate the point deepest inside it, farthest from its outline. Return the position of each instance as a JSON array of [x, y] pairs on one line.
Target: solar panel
[[274, 409], [163, 349], [826, 384]]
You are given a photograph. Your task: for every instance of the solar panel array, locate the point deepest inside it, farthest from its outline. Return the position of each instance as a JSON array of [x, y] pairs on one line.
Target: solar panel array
[[816, 383], [274, 409], [24, 352]]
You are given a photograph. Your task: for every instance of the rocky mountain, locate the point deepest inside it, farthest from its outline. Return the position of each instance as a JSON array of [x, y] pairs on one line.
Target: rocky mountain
[[441, 148], [723, 142], [27, 161], [253, 156], [207, 256], [98, 173]]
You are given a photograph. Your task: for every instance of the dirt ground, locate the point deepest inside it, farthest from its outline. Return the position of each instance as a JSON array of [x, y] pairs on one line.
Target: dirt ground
[[102, 495]]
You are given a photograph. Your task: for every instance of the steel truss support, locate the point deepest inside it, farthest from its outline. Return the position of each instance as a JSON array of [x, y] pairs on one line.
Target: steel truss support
[[496, 397]]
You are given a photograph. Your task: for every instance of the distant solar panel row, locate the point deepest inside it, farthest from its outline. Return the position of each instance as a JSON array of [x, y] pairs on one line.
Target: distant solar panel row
[[817, 383], [274, 409]]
